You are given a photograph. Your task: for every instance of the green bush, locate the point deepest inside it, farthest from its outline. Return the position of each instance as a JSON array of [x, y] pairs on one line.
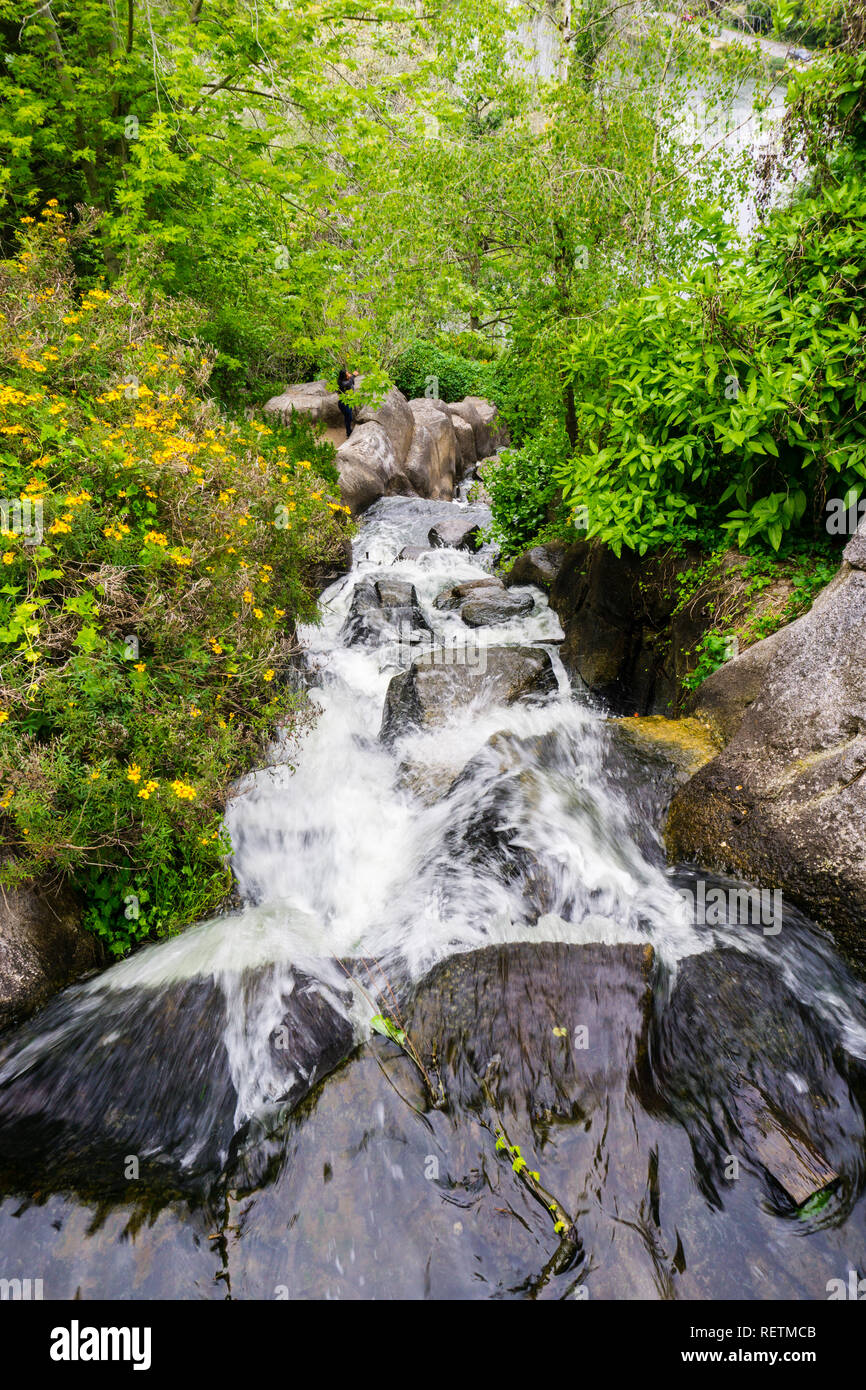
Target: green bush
[[525, 499], [733, 399], [147, 619], [424, 369]]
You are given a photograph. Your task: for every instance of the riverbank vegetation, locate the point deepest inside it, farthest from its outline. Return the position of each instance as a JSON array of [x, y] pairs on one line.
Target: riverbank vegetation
[[199, 203]]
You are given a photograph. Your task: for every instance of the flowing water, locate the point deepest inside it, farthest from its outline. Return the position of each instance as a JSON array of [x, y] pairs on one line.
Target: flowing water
[[213, 1117]]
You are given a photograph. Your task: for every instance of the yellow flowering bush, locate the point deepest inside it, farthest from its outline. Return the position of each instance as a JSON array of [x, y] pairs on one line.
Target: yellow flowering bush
[[156, 556]]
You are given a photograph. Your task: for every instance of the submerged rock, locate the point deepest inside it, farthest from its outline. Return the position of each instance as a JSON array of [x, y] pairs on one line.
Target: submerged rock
[[427, 695], [753, 1074], [157, 1074]]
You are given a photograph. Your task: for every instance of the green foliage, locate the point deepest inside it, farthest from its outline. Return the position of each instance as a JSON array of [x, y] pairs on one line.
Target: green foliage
[[524, 494], [388, 1029], [425, 369], [734, 599], [146, 621], [734, 397]]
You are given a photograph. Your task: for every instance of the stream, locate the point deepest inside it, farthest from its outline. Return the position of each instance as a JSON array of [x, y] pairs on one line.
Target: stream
[[213, 1117]]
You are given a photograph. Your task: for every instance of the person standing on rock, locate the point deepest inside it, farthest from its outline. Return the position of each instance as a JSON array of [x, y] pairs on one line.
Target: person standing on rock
[[346, 383]]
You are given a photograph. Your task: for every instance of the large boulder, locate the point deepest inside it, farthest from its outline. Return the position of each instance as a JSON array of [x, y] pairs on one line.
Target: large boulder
[[43, 946], [313, 399], [456, 532], [369, 468], [464, 442], [784, 803], [427, 695], [431, 463], [491, 608], [539, 566], [382, 610], [625, 639], [395, 419], [489, 433]]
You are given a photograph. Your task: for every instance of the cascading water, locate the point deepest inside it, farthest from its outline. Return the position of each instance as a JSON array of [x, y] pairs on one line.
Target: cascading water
[[494, 880]]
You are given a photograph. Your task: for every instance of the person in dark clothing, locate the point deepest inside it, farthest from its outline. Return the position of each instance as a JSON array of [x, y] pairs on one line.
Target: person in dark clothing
[[346, 383]]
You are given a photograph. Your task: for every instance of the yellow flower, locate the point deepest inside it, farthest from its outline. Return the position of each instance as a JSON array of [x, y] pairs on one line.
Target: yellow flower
[[257, 612], [146, 790], [183, 791], [268, 676], [279, 612], [8, 557], [247, 596], [155, 538], [4, 715], [139, 666], [194, 712], [95, 776], [133, 773]]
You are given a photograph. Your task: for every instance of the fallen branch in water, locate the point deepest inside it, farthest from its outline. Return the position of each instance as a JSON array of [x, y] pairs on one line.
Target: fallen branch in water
[[563, 1225]]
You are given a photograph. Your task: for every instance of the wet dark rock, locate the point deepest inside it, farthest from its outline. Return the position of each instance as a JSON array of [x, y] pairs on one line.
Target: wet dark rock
[[426, 695], [450, 599], [383, 610], [414, 552], [456, 532], [149, 1073], [784, 803], [742, 1062], [539, 566], [504, 1003], [647, 760], [43, 946], [628, 640], [545, 1039], [395, 593], [490, 609]]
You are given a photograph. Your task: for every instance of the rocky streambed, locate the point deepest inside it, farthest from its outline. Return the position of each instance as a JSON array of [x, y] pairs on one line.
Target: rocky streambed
[[470, 1035]]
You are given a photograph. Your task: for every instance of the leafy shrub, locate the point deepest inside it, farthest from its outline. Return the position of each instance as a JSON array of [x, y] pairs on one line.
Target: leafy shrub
[[424, 369], [734, 398], [146, 623], [524, 494]]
